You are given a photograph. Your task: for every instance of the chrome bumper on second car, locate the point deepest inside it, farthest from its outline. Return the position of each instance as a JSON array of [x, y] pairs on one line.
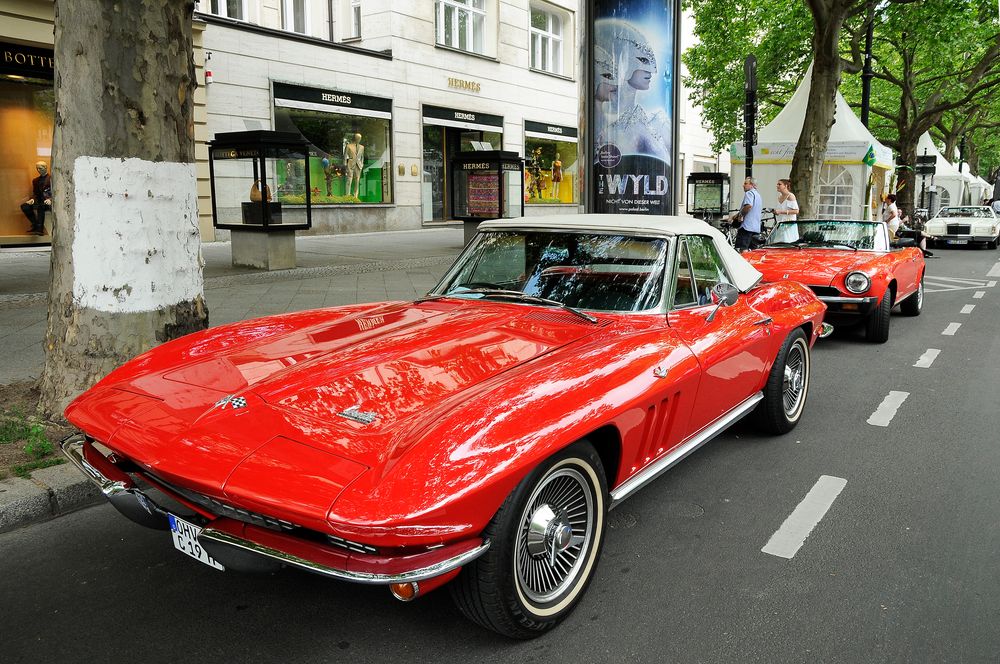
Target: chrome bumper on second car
[[855, 305], [232, 541]]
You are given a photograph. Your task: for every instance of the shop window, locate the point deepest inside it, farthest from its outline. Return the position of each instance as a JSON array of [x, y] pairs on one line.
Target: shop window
[[27, 119], [295, 16], [836, 193], [550, 171], [547, 30], [349, 155], [235, 9], [461, 24]]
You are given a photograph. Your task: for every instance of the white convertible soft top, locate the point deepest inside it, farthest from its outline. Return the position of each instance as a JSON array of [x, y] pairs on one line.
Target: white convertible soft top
[[744, 275]]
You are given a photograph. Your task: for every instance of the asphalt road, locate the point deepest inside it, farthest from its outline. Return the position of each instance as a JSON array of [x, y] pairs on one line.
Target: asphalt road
[[901, 568]]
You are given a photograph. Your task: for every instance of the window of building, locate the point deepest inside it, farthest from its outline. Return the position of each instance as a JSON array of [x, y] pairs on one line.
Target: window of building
[[547, 31], [461, 24], [355, 31], [836, 193], [294, 16], [235, 9], [350, 160], [550, 168]]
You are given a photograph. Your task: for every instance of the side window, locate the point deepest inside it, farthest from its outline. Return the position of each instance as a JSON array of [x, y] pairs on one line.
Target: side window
[[684, 291], [707, 267]]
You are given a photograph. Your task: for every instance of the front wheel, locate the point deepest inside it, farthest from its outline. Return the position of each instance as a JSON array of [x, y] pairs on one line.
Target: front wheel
[[877, 325], [786, 387], [546, 541]]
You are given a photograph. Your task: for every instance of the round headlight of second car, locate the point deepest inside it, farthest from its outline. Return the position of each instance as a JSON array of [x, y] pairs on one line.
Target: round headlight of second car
[[857, 282]]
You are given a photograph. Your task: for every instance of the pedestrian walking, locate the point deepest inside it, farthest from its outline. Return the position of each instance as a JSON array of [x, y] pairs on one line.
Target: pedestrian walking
[[787, 208], [749, 212]]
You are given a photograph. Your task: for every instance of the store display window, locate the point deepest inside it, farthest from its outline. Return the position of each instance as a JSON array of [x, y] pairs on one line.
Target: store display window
[[550, 171], [27, 120], [349, 142]]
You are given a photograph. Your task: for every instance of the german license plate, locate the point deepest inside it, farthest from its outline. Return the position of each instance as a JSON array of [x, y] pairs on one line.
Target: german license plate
[[185, 537], [958, 242]]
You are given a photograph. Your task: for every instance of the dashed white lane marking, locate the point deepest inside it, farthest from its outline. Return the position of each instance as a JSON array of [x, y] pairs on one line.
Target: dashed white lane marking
[[967, 309], [927, 359], [978, 295], [994, 271], [887, 409], [792, 534], [951, 329]]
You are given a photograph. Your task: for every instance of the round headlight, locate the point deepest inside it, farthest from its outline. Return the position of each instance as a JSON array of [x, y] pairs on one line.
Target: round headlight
[[857, 282]]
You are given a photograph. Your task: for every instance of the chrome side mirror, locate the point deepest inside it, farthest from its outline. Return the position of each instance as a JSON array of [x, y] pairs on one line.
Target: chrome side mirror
[[726, 295]]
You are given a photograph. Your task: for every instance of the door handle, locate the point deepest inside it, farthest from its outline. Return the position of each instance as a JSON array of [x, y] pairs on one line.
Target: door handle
[[764, 321]]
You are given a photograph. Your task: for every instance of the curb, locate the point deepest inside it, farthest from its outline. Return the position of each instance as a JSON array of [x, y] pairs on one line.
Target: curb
[[50, 492]]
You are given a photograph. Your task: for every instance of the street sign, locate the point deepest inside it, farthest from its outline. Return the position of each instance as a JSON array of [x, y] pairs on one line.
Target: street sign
[[926, 165]]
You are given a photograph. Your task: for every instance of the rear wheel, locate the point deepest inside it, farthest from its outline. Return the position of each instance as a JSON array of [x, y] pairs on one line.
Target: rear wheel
[[913, 305], [546, 540], [786, 387], [877, 325]]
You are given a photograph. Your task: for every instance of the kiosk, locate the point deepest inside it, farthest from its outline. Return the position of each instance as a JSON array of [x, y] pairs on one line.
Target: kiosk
[[261, 194], [488, 184], [707, 196]]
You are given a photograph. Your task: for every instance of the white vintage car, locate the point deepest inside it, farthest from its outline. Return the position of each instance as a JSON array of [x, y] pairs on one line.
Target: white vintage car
[[966, 224]]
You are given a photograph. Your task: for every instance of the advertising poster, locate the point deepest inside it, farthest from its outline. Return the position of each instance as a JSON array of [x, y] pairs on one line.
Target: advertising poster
[[633, 90]]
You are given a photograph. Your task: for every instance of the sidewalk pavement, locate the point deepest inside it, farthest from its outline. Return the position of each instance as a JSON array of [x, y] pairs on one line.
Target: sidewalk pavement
[[332, 270]]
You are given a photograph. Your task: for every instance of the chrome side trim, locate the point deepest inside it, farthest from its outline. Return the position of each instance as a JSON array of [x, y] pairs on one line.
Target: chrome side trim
[[848, 300], [657, 468], [72, 447], [369, 578]]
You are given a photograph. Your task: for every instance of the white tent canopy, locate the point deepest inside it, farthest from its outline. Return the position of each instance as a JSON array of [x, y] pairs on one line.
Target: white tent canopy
[[946, 187], [853, 154]]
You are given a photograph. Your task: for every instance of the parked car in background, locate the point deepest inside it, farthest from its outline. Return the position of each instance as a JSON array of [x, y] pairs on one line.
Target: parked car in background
[[966, 224], [851, 266], [478, 435]]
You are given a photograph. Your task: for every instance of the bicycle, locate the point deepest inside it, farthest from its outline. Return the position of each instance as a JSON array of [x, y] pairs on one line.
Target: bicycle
[[768, 220]]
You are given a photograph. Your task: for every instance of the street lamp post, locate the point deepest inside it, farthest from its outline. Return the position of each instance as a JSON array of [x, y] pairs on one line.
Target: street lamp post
[[867, 74]]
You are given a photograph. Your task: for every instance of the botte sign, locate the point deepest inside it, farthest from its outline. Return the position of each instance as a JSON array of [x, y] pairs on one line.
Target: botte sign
[[633, 97]]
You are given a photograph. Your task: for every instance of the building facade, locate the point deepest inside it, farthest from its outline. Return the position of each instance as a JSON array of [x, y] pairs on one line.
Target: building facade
[[386, 94]]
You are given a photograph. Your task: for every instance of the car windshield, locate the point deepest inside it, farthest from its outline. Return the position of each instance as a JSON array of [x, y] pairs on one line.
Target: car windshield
[[581, 270], [981, 212], [831, 234]]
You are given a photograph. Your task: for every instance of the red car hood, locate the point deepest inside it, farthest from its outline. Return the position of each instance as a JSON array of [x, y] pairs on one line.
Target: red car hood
[[404, 366], [813, 267]]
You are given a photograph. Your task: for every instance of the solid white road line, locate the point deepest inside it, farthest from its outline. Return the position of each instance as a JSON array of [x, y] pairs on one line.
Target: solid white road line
[[994, 271], [935, 277], [978, 295], [992, 283], [887, 409], [951, 329], [967, 309], [927, 359], [792, 534]]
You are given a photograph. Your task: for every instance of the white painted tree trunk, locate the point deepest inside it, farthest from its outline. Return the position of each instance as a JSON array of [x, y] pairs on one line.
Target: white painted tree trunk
[[126, 250]]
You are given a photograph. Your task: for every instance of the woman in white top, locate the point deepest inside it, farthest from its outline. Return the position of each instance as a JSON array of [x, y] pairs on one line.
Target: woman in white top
[[788, 207]]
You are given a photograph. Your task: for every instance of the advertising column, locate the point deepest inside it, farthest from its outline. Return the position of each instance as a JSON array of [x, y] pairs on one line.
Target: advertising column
[[633, 92]]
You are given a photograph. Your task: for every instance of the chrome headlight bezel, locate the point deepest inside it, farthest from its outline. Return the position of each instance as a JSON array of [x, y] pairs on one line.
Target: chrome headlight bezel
[[862, 282]]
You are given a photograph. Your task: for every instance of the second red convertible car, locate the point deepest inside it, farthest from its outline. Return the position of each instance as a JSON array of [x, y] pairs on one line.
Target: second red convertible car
[[477, 435], [851, 266]]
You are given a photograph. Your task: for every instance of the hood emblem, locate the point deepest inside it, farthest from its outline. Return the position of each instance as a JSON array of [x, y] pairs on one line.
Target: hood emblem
[[353, 413], [232, 400], [659, 372]]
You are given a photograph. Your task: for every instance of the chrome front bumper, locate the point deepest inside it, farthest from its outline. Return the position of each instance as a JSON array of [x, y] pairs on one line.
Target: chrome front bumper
[[835, 305], [232, 542]]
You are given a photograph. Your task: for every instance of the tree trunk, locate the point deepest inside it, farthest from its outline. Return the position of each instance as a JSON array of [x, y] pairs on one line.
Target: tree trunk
[[126, 265], [908, 184], [811, 148]]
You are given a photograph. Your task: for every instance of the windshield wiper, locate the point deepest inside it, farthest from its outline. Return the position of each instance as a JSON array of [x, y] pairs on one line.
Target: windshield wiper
[[797, 245], [831, 243], [500, 292]]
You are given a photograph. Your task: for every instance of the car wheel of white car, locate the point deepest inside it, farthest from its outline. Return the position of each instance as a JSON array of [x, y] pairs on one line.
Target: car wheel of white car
[[877, 325], [546, 540], [787, 386]]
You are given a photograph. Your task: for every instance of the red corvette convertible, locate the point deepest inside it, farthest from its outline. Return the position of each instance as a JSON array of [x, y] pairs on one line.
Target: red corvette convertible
[[851, 266], [481, 432]]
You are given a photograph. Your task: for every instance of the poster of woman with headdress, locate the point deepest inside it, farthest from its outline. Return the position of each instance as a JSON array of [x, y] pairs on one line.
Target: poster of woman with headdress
[[634, 61]]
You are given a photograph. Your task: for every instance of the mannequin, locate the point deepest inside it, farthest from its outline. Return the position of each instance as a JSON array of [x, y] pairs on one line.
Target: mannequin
[[354, 160], [556, 176], [34, 208]]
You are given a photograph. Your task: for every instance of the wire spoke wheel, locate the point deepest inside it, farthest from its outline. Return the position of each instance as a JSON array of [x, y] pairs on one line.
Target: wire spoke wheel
[[557, 526], [794, 384]]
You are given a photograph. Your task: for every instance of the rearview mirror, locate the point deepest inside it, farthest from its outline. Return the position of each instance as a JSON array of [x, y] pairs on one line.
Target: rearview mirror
[[726, 295]]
